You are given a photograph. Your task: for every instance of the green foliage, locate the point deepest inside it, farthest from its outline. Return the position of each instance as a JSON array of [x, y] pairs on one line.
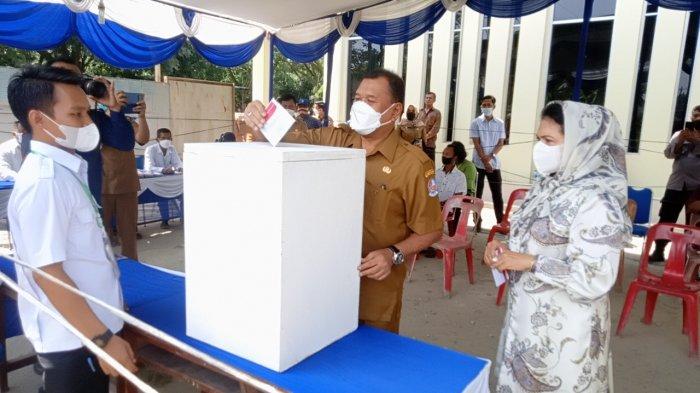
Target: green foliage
[[304, 80]]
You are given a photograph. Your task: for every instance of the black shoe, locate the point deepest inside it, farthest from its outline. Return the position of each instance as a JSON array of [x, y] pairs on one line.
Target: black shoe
[[478, 226], [139, 236], [164, 225], [657, 256]]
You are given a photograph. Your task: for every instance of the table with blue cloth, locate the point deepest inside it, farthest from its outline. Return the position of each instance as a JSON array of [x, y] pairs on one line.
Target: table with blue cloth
[[5, 192], [164, 190], [367, 360]]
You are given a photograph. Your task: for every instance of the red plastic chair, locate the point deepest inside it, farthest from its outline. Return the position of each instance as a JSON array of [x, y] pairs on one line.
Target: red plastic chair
[[504, 229], [672, 282], [461, 240]]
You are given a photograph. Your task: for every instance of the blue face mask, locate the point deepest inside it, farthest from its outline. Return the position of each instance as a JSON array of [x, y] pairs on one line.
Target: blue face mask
[[103, 107]]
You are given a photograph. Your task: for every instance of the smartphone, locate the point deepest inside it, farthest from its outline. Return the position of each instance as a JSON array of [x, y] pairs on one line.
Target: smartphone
[[131, 100]]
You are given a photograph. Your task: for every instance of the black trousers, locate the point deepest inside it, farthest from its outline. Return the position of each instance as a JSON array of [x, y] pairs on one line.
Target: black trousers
[[76, 371], [672, 204], [495, 184]]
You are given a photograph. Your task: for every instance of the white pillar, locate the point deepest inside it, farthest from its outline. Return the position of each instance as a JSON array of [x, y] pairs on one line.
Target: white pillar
[[393, 58], [498, 62], [625, 48], [529, 92], [337, 107], [415, 70], [660, 103], [467, 73], [664, 73], [441, 67], [262, 67]]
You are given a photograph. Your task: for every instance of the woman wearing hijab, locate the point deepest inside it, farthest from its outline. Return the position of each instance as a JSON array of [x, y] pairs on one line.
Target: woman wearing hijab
[[562, 256]]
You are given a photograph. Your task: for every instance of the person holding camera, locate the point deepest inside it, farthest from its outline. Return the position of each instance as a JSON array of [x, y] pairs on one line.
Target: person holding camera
[[112, 175], [684, 150]]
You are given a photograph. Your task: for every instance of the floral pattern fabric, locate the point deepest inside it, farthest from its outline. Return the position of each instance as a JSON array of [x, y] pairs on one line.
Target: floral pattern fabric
[[556, 335]]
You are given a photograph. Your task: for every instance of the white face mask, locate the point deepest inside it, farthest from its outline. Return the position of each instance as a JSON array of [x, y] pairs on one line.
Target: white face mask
[[165, 143], [488, 112], [547, 158], [79, 138], [364, 119]]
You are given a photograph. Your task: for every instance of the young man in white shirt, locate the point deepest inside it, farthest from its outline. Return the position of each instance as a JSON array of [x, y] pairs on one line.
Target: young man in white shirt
[[162, 157], [450, 180], [488, 134], [11, 155], [56, 227]]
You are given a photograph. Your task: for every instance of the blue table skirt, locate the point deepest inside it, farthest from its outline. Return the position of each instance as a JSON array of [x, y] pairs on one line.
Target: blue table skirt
[[367, 360], [6, 185]]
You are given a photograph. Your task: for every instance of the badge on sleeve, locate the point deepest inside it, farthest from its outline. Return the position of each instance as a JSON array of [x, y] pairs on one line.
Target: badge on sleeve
[[432, 188]]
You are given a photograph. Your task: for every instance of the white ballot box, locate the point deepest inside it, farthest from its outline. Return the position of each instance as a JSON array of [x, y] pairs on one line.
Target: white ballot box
[[273, 240]]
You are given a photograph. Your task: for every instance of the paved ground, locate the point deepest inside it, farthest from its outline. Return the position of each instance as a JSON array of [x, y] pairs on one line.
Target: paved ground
[[649, 359]]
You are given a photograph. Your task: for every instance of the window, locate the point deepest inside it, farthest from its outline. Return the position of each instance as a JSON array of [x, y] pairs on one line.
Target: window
[[429, 62], [566, 34], [642, 78], [686, 72], [453, 75], [481, 83], [511, 76], [364, 57]]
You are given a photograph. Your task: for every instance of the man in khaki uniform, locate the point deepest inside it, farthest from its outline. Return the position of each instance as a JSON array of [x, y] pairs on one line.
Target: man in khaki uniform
[[401, 210], [412, 129], [432, 119]]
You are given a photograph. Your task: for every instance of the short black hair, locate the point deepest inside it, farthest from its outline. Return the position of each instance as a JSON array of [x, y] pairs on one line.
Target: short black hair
[[287, 97], [396, 84], [460, 151], [554, 111], [431, 93], [696, 108], [162, 131], [62, 59], [33, 88], [489, 97]]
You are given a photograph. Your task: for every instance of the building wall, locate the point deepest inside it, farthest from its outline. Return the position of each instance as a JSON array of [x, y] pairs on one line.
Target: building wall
[[646, 168], [195, 111]]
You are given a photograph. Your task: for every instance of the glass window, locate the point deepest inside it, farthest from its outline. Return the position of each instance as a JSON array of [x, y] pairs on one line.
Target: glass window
[[453, 86], [511, 79], [429, 63], [686, 72], [573, 9], [482, 63], [641, 87], [405, 61], [562, 63], [364, 57]]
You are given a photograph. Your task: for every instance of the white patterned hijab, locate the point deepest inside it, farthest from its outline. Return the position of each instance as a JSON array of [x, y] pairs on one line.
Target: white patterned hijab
[[593, 165]]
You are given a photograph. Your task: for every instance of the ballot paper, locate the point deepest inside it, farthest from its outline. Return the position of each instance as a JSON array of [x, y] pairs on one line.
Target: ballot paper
[[499, 277], [277, 122]]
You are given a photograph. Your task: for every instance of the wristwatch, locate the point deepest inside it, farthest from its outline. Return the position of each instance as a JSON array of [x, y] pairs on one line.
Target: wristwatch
[[103, 339], [398, 255]]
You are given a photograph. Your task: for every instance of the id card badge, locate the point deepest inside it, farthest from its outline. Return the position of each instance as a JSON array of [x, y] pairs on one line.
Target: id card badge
[[277, 122]]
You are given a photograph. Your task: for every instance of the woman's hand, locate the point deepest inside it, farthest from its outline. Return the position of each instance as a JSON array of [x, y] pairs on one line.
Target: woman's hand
[[515, 261], [493, 252]]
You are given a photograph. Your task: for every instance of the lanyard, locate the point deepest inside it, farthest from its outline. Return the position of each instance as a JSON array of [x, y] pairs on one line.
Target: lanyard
[[98, 219]]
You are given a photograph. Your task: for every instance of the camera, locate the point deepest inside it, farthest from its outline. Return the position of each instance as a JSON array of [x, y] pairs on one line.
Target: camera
[[94, 88]]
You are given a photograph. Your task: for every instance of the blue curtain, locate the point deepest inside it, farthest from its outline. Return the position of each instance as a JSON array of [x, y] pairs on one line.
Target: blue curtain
[[305, 53], [122, 47], [228, 55], [34, 26], [682, 5], [400, 30], [508, 8]]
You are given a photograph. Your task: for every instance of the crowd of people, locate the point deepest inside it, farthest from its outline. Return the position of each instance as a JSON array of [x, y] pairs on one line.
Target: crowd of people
[[561, 258]]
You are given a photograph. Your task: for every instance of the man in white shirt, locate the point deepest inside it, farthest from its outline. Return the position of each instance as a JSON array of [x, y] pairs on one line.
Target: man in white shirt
[[11, 155], [450, 180], [56, 227], [162, 157], [488, 134]]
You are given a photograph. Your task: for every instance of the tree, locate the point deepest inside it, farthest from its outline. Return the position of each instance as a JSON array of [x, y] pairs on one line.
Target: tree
[[303, 80]]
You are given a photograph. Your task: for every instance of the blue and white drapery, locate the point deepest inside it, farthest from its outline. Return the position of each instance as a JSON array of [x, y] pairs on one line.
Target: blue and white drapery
[[133, 33], [681, 5]]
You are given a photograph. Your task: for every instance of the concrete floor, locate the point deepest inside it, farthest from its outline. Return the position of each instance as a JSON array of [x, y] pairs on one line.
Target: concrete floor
[[649, 359]]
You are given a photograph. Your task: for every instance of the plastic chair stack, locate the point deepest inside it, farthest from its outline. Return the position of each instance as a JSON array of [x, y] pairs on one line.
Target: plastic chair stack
[[504, 229], [461, 240], [673, 281]]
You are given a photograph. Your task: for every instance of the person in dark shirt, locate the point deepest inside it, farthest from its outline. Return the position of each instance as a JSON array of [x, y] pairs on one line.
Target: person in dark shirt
[[304, 114]]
